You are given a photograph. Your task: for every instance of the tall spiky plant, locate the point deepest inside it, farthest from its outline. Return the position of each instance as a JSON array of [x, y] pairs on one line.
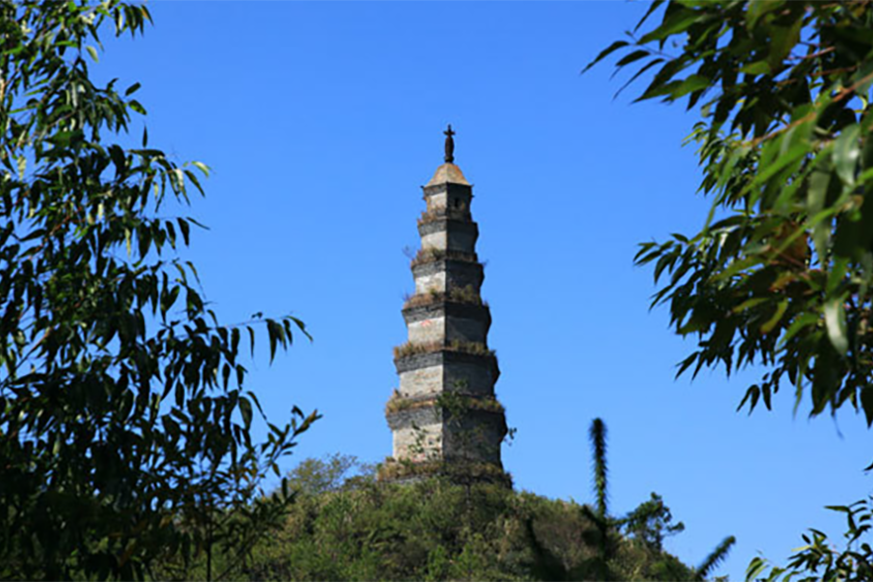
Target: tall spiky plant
[[600, 538], [597, 435], [715, 557]]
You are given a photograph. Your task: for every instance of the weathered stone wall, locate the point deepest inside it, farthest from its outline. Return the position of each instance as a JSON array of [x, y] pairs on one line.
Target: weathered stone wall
[[432, 373], [475, 436], [442, 274], [418, 433], [429, 280], [453, 235], [419, 444], [465, 330], [455, 196], [435, 433], [473, 376], [427, 330], [449, 329], [422, 381]]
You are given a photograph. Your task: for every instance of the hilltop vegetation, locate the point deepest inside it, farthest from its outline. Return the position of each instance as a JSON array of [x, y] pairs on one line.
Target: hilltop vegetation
[[359, 529]]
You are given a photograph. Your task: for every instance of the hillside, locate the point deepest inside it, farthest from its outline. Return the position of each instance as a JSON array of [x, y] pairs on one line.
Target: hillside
[[360, 529]]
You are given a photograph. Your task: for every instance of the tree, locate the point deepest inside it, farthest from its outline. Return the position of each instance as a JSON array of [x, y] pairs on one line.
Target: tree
[[124, 423], [331, 473], [781, 272]]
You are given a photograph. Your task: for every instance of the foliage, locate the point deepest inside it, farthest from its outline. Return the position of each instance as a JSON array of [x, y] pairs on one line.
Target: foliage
[[651, 522], [819, 560], [781, 272], [124, 423], [316, 476], [432, 529]]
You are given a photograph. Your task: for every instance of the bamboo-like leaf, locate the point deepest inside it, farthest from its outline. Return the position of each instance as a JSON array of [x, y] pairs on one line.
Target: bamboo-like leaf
[[605, 53], [846, 154], [835, 323]]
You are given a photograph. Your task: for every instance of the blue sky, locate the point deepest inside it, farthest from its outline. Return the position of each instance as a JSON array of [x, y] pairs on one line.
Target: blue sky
[[321, 121]]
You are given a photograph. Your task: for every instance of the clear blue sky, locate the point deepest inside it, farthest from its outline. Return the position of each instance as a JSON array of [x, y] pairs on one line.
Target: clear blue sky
[[321, 121]]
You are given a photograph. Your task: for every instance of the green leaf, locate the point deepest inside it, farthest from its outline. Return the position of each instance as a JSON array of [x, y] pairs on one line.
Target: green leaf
[[749, 303], [202, 167], [274, 331], [775, 319], [755, 9], [835, 322], [867, 404], [756, 566], [652, 7], [678, 22], [753, 393], [631, 57], [799, 323], [691, 84], [783, 39], [606, 52], [245, 409], [846, 153], [756, 68], [185, 228], [137, 106]]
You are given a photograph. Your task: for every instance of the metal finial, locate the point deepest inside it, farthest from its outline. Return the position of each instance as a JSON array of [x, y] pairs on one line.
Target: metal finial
[[450, 145]]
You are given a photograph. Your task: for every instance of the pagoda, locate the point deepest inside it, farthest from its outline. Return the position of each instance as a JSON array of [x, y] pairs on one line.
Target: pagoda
[[444, 416]]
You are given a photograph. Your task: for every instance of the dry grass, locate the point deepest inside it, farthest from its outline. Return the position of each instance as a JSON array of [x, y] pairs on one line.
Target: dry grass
[[397, 403], [443, 213], [466, 295], [470, 403], [412, 349], [432, 255]]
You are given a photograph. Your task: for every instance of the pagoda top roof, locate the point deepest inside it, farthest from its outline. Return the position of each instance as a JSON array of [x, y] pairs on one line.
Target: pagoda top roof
[[448, 174]]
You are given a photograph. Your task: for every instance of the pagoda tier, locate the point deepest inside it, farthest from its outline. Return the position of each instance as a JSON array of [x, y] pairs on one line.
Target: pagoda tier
[[444, 415]]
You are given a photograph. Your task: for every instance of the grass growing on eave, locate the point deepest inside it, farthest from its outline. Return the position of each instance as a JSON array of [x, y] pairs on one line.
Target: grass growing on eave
[[412, 349], [466, 295], [431, 255], [397, 402], [429, 216]]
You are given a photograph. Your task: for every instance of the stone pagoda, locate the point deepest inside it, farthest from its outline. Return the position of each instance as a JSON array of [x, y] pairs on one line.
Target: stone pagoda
[[444, 416]]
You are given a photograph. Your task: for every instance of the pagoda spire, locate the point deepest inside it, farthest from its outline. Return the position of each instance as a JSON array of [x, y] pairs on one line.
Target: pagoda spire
[[444, 416], [450, 145]]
